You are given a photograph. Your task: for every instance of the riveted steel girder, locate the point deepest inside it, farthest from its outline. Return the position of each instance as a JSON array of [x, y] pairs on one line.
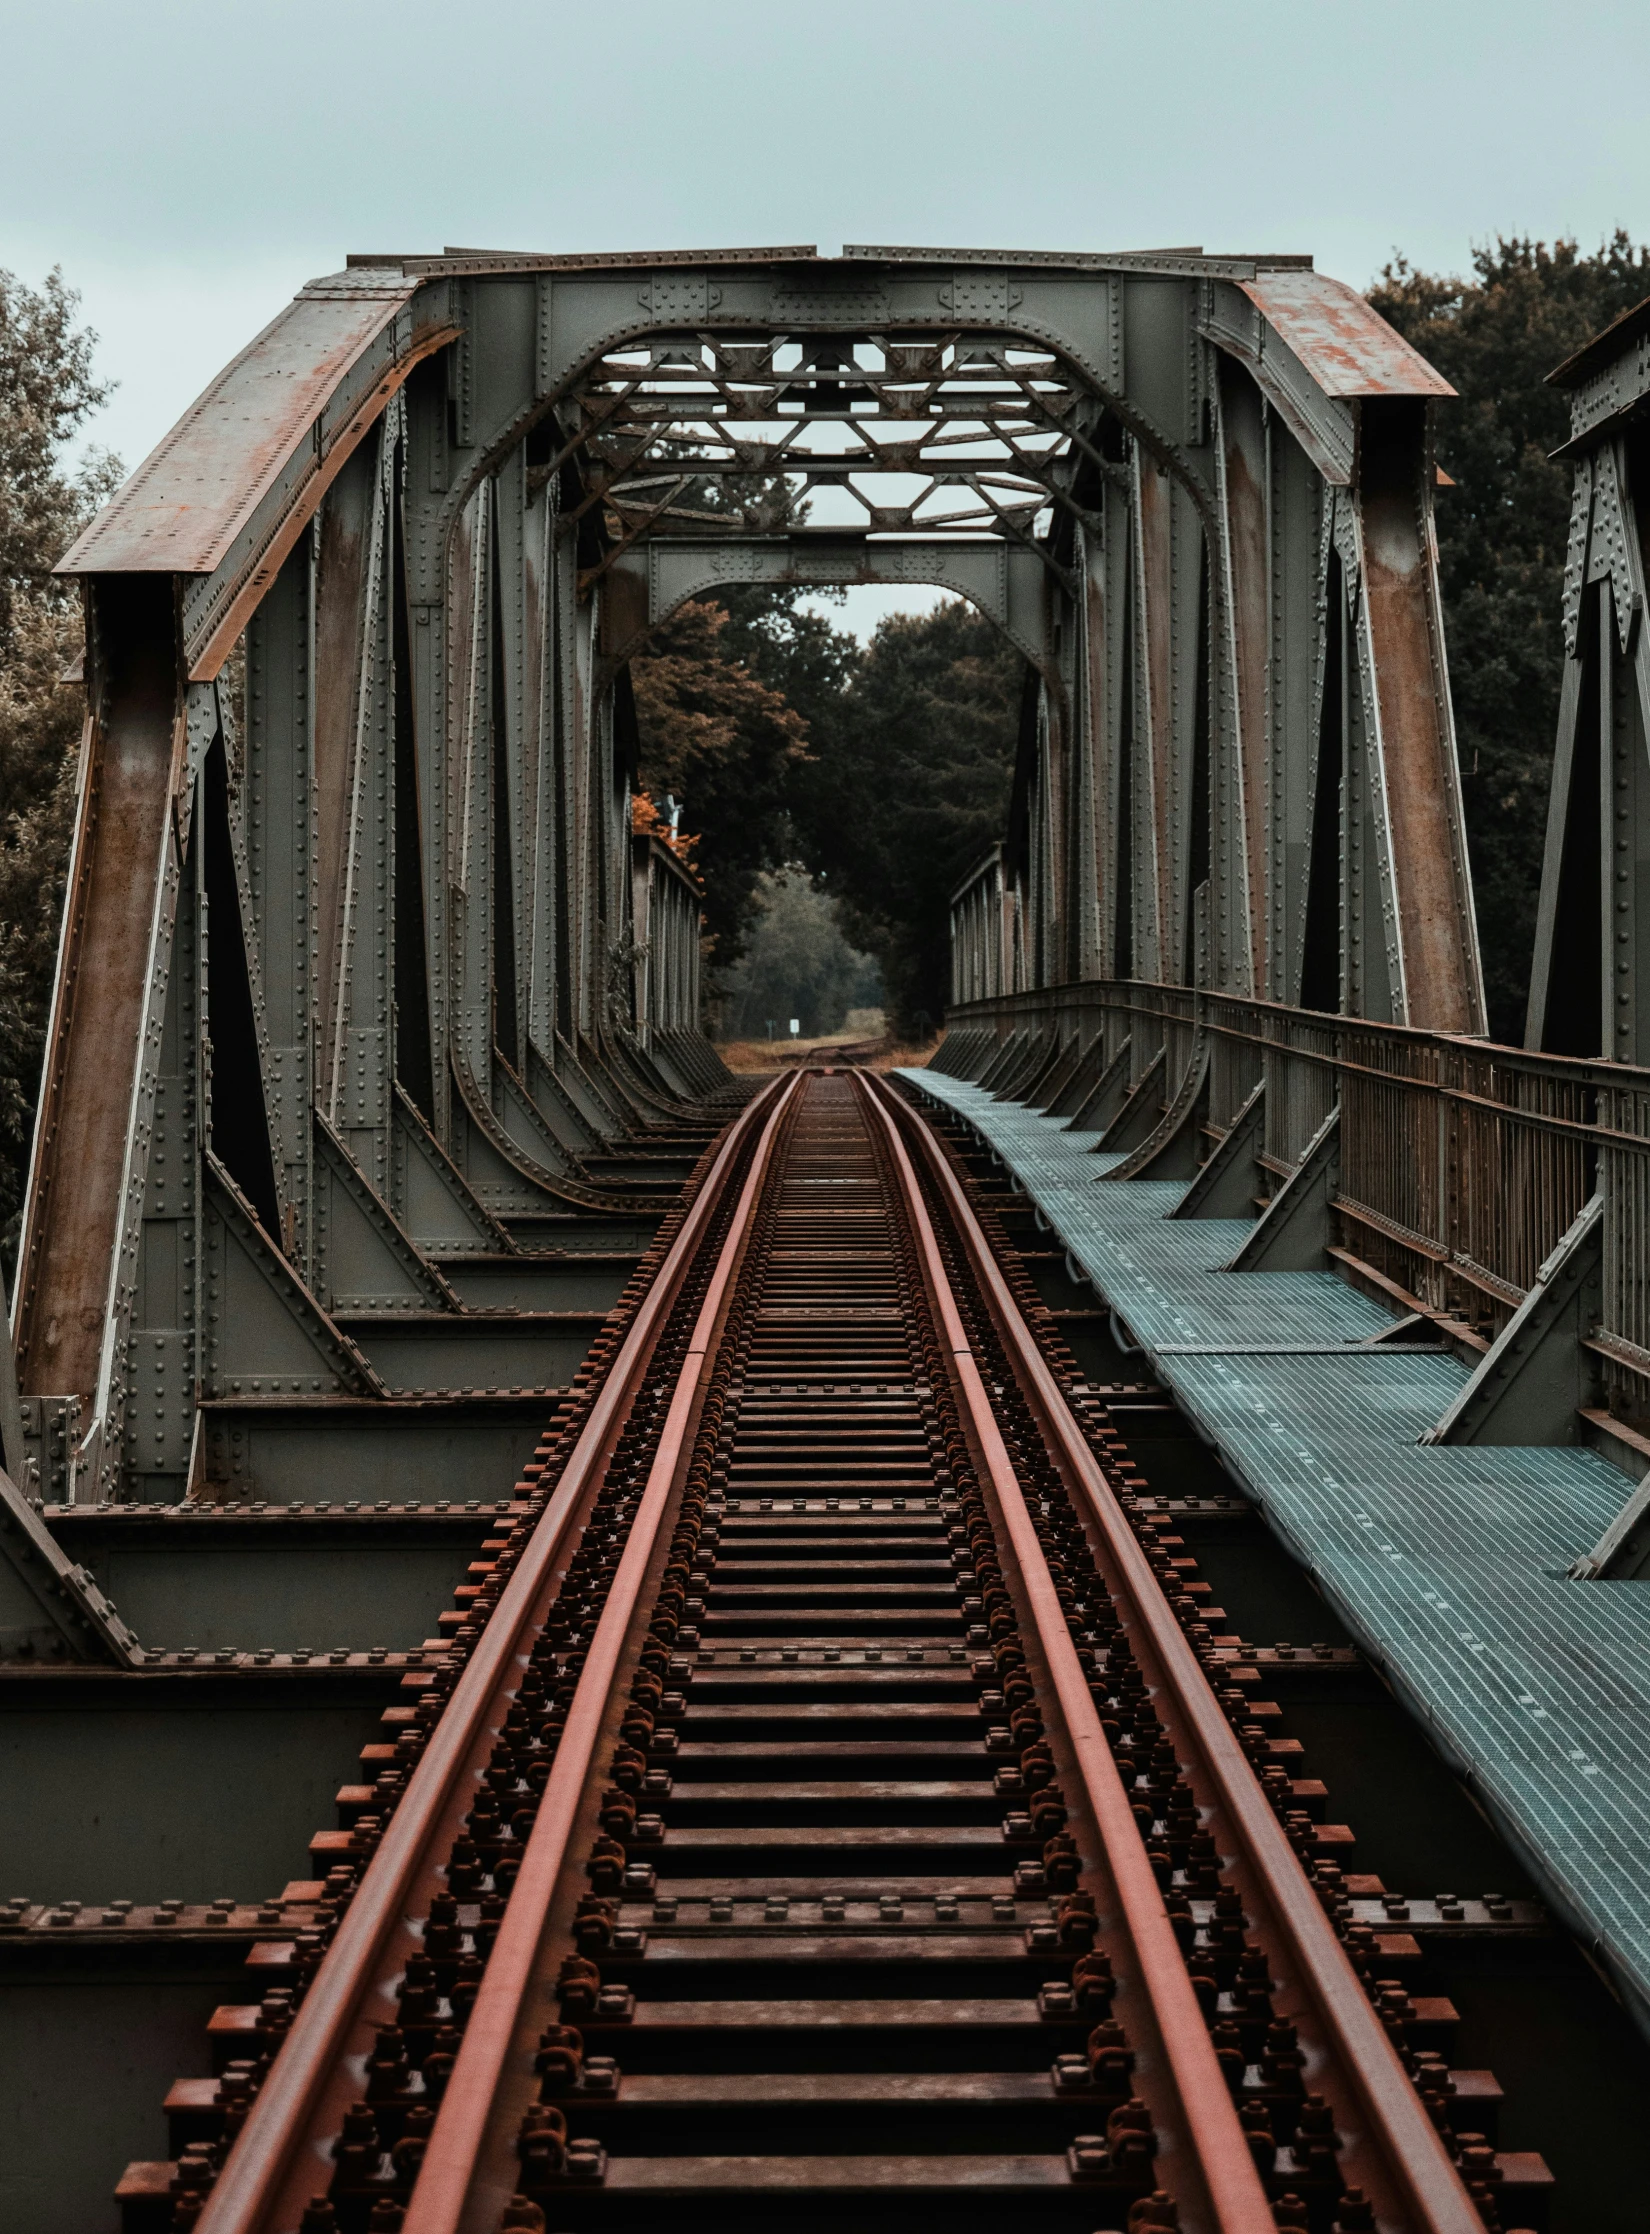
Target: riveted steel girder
[[1590, 984], [361, 951]]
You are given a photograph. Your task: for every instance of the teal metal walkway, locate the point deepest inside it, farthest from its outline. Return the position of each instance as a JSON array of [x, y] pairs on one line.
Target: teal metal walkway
[[1447, 1564]]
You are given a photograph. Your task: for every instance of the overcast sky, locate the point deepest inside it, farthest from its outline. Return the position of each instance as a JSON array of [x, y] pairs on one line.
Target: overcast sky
[[189, 165]]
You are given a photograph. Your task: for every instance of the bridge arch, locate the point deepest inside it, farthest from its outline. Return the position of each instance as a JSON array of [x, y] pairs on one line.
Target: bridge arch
[[417, 514]]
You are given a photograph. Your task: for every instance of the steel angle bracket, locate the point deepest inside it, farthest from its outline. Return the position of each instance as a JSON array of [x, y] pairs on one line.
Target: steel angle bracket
[[1620, 1553], [1531, 1385], [1169, 1151], [433, 1201], [1292, 1232], [268, 1334], [1225, 1187], [364, 1251], [1105, 1097], [1132, 1124], [82, 1619]]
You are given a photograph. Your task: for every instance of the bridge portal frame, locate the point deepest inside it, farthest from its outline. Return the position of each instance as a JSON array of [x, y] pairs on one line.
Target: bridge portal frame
[[352, 909]]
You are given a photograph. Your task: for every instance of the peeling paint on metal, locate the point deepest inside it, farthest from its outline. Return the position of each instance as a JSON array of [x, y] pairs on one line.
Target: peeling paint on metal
[[1347, 347]]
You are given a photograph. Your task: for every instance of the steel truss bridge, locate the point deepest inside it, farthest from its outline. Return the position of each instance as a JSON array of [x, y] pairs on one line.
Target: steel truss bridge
[[394, 1237]]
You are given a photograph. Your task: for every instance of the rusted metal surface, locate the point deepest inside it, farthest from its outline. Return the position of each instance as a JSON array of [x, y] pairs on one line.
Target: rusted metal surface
[[1154, 769], [1249, 558], [401, 550], [466, 262], [1347, 347], [180, 511], [1236, 2201], [270, 2175], [417, 696], [867, 1470], [502, 2009], [1442, 979], [268, 542], [123, 888]]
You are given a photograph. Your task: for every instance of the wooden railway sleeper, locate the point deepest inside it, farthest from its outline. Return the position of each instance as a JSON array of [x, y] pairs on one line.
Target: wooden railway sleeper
[[1409, 2026], [457, 1947], [1283, 2132]]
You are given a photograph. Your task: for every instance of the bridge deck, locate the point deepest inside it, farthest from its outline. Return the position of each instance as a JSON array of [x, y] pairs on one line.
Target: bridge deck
[[1448, 1565]]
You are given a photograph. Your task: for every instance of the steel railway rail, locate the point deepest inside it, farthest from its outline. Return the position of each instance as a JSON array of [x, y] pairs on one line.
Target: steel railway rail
[[825, 1807]]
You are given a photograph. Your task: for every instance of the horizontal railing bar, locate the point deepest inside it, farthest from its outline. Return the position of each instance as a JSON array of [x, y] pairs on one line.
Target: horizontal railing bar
[[1516, 1062], [1475, 1274]]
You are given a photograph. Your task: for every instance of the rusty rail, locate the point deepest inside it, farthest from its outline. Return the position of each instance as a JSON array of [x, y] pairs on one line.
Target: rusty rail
[[774, 1344], [1237, 2201], [1400, 2157], [439, 2198], [273, 2168]]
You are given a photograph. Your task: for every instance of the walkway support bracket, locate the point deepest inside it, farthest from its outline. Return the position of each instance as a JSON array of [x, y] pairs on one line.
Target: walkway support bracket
[[1294, 1231], [1533, 1384]]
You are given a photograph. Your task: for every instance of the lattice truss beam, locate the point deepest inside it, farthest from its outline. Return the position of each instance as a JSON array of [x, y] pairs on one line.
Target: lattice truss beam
[[955, 435]]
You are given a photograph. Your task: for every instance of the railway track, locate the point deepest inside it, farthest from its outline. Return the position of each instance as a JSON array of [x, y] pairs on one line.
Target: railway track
[[832, 1803]]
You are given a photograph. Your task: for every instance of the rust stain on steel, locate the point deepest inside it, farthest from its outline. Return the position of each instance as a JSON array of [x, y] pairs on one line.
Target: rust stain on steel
[[181, 510], [1348, 348], [92, 1070], [1094, 896], [270, 2172], [594, 263], [1220, 2149], [1441, 988], [208, 659], [504, 2010], [1155, 766], [344, 655], [1251, 600]]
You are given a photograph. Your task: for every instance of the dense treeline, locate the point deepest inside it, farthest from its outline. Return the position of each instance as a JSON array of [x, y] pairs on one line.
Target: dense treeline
[[882, 769], [797, 963], [892, 786]]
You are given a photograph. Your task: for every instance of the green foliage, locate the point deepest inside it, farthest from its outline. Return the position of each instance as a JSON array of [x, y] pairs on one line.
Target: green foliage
[[721, 741], [796, 652], [1501, 534], [46, 393], [796, 963], [911, 786], [890, 781]]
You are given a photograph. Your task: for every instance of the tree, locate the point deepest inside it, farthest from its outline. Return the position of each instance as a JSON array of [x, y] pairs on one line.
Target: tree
[[47, 393], [796, 652], [797, 963], [899, 803], [1501, 534], [722, 742]]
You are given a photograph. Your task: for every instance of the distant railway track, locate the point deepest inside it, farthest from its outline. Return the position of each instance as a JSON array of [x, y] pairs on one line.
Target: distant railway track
[[845, 1053], [832, 1802]]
